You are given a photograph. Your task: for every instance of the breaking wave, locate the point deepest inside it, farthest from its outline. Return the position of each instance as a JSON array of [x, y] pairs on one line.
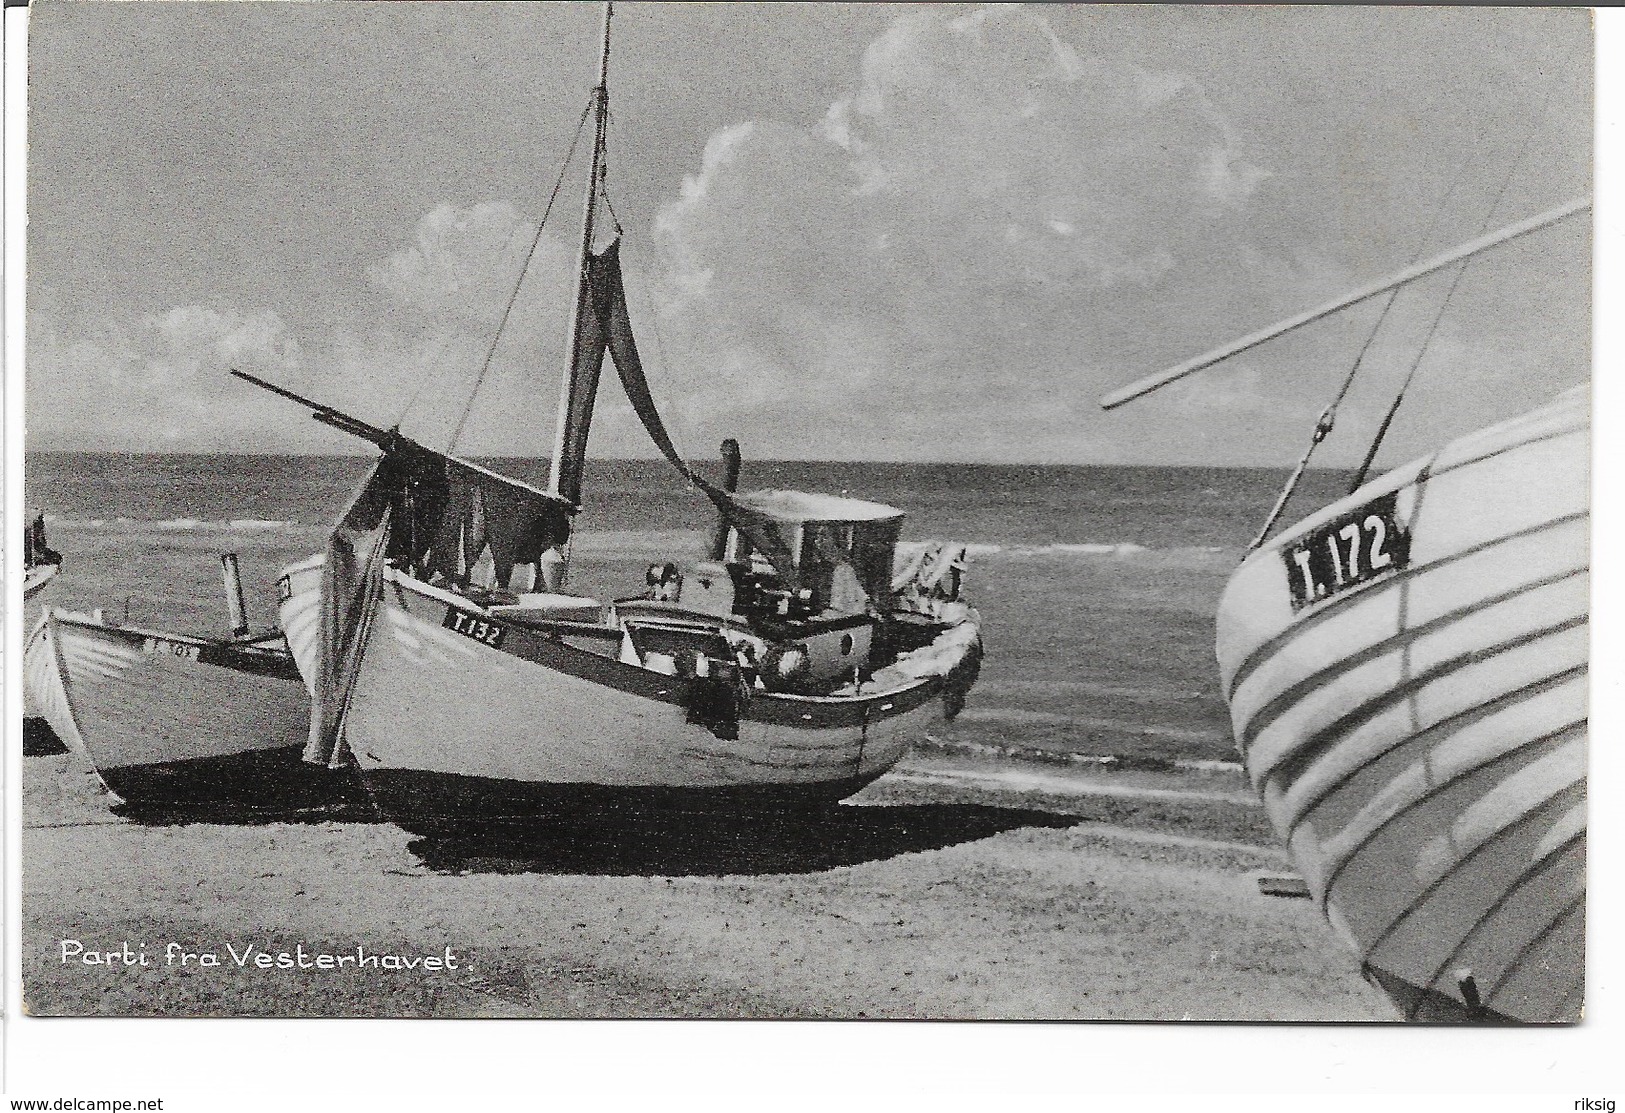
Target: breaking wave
[[1077, 548], [1120, 550], [677, 543], [175, 525]]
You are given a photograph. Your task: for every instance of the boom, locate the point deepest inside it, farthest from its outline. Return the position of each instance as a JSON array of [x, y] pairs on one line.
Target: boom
[[1410, 274]]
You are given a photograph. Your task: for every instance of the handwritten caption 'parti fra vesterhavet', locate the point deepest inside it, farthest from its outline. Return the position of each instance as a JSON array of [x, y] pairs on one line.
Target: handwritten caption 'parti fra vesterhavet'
[[251, 956]]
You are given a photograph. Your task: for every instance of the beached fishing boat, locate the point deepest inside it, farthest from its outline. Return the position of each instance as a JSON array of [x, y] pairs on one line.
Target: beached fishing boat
[[41, 563], [792, 668], [176, 721], [1406, 672], [43, 694]]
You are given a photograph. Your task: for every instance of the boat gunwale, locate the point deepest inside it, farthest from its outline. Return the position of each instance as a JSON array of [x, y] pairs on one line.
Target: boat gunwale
[[1310, 617], [784, 708], [259, 659], [1419, 472]]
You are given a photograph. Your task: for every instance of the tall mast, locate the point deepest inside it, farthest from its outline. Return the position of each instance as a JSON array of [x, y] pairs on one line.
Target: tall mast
[[600, 110]]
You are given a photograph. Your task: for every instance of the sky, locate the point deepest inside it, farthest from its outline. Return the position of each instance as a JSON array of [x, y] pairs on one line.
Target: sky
[[885, 232]]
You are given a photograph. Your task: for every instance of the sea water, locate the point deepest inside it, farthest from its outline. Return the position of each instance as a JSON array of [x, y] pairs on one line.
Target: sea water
[[1097, 585]]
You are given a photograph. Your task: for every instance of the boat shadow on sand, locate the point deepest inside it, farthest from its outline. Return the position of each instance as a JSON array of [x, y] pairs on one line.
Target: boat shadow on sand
[[39, 740], [698, 844], [236, 815], [243, 801]]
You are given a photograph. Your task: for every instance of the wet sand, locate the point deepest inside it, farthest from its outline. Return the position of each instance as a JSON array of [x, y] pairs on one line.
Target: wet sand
[[956, 887]]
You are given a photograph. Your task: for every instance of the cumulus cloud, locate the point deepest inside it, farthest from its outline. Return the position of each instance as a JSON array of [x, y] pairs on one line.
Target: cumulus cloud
[[969, 222], [151, 381], [986, 231], [981, 217], [156, 382], [462, 266]]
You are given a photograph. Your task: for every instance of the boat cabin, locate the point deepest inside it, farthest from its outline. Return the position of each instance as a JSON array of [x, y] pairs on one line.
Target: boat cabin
[[804, 576], [839, 552]]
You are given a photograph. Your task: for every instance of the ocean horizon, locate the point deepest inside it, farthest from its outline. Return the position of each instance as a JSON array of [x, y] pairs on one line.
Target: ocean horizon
[[1097, 583]]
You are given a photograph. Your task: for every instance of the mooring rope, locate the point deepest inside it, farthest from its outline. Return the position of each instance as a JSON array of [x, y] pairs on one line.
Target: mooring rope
[[1328, 416]]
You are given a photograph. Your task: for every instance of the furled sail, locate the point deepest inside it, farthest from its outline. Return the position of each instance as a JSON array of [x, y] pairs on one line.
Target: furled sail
[[351, 582], [435, 516], [586, 362]]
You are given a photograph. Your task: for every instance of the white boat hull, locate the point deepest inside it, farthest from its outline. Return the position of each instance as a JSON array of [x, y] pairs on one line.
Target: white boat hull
[[35, 579], [175, 721], [1420, 739], [43, 694], [299, 612], [446, 728]]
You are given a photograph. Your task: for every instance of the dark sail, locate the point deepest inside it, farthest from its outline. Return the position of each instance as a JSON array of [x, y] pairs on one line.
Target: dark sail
[[432, 515], [581, 391], [483, 510], [615, 324]]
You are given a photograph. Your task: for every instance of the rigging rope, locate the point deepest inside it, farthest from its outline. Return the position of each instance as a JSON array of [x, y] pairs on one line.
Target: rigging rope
[[468, 406], [1328, 416], [1393, 408], [635, 282], [433, 376]]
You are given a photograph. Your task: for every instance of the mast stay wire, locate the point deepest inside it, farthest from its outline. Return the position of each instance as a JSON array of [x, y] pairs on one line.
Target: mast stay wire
[[1323, 426], [434, 376], [1421, 351], [1328, 416], [496, 337]]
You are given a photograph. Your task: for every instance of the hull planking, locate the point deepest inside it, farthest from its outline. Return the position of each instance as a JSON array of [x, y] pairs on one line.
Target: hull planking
[[1418, 730], [446, 727], [177, 721]]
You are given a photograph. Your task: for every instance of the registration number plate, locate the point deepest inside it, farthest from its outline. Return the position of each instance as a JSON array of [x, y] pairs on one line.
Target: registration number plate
[[162, 647], [1354, 549], [482, 630]]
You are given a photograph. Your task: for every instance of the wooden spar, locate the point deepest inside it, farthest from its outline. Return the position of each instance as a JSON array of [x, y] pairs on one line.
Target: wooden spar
[[326, 414], [730, 482], [600, 108], [389, 440], [1409, 274], [234, 595]]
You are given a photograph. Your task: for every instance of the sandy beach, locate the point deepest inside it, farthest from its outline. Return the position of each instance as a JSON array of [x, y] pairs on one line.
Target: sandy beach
[[955, 887]]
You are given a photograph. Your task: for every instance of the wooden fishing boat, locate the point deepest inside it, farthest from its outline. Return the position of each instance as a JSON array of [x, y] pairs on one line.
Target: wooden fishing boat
[[1418, 731], [180, 722], [43, 694], [41, 563], [1406, 672], [789, 670], [175, 721]]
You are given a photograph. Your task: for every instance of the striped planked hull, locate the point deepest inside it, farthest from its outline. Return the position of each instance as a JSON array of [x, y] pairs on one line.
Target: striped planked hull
[[1419, 736], [176, 721], [446, 729], [43, 694], [300, 613]]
